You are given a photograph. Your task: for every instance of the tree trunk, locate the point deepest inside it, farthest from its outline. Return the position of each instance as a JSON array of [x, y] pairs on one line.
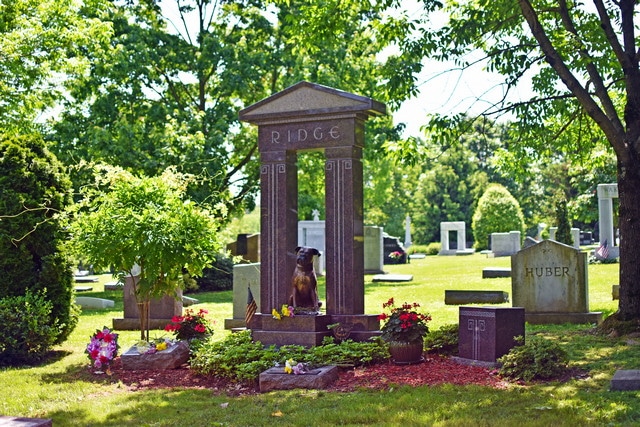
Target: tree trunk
[[629, 224], [143, 315]]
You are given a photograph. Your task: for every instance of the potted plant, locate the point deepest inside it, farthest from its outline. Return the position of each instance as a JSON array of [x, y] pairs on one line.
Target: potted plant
[[404, 330], [146, 228]]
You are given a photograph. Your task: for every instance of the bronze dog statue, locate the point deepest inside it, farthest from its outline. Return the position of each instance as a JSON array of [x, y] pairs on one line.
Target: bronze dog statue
[[304, 293]]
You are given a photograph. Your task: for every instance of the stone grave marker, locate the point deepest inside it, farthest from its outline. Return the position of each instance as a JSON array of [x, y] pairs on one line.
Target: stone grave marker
[[505, 244], [550, 281], [161, 310], [487, 333], [245, 276]]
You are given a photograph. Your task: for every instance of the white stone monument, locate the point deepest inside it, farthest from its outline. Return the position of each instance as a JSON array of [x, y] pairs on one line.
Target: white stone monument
[[505, 244], [373, 250], [245, 276], [459, 228], [606, 194], [407, 232]]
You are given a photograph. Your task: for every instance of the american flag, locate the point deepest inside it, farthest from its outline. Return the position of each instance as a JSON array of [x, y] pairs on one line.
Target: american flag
[[603, 250], [251, 307]]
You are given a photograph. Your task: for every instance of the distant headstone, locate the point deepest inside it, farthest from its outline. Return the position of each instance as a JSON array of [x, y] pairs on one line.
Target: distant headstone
[[529, 241], [487, 333], [407, 231], [245, 276], [392, 278], [505, 244], [161, 310], [549, 280], [606, 194], [373, 250], [391, 245], [247, 246]]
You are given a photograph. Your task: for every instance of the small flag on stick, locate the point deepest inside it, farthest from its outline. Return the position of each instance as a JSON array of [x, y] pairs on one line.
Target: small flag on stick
[[251, 307], [603, 250]]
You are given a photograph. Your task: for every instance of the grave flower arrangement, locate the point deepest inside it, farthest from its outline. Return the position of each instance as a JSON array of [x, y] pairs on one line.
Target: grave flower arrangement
[[403, 324], [103, 348], [154, 346], [395, 255], [291, 367], [286, 311], [193, 325]]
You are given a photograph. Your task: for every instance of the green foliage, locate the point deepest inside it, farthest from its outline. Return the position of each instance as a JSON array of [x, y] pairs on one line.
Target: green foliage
[[26, 331], [35, 192], [563, 233], [417, 249], [433, 248], [538, 358], [497, 212], [241, 359], [443, 340], [147, 228]]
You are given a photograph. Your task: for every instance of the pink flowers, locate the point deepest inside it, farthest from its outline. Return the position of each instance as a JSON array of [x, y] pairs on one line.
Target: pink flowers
[[102, 348]]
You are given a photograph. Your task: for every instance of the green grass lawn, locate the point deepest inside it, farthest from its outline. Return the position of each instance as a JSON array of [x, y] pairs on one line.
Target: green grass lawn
[[63, 389]]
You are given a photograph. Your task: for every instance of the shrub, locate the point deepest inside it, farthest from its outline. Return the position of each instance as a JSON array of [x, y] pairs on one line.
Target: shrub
[[563, 233], [539, 358], [26, 331], [443, 340], [497, 212], [218, 277], [35, 191], [433, 248], [417, 249], [240, 359]]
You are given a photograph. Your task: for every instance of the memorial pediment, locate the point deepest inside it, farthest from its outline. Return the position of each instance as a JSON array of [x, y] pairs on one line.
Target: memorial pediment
[[309, 99]]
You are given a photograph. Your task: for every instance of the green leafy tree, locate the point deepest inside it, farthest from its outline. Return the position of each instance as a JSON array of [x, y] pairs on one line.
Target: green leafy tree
[[166, 89], [33, 258], [563, 233], [146, 228], [40, 40], [584, 69], [497, 212]]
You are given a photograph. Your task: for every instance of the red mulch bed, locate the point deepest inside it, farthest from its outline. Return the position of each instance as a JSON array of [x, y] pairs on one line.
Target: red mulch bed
[[433, 371]]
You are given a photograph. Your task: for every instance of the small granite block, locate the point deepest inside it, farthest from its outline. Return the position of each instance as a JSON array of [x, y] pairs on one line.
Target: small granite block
[[626, 380], [392, 278], [24, 422], [170, 358], [452, 297], [277, 379], [493, 272], [89, 302], [83, 288], [615, 292], [113, 286]]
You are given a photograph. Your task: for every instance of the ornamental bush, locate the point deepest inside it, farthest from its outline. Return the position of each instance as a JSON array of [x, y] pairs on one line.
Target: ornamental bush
[[26, 330], [497, 212], [35, 192], [539, 358]]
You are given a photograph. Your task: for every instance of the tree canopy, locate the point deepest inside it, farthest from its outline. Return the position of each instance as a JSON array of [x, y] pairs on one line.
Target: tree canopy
[[583, 63]]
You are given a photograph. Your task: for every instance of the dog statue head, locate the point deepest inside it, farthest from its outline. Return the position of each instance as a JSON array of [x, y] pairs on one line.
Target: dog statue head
[[304, 256]]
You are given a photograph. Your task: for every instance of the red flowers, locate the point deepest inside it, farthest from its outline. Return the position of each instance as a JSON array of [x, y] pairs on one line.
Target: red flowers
[[190, 326], [404, 323]]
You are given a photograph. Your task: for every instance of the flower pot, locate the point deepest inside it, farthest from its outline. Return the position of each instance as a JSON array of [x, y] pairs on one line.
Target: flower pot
[[405, 353]]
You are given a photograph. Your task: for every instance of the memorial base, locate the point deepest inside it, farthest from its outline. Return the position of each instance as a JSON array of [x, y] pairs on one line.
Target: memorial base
[[474, 362], [593, 317], [309, 330], [277, 379]]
